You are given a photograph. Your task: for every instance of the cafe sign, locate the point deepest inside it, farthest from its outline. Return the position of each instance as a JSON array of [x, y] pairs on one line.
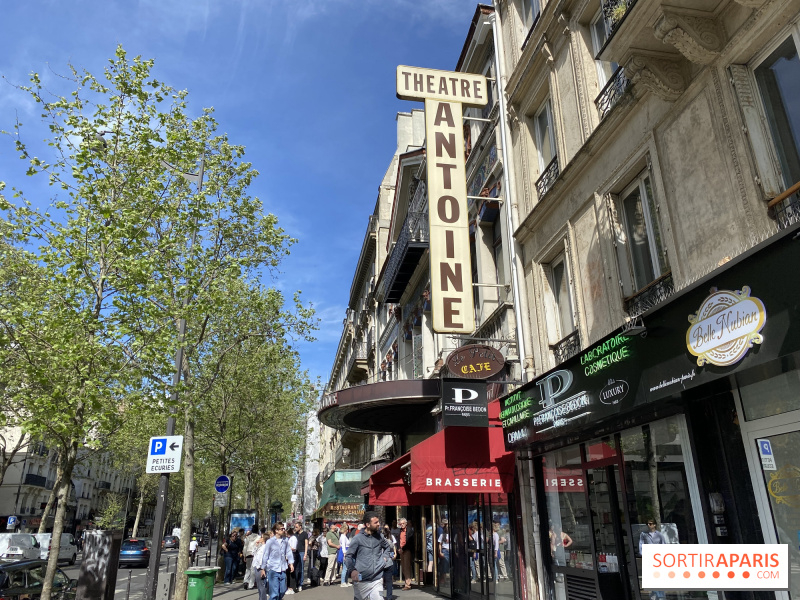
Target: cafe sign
[[726, 327], [475, 361]]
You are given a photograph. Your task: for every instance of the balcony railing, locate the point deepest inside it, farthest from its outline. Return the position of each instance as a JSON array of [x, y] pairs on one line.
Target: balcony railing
[[611, 93], [37, 480], [411, 242], [652, 295], [547, 178], [103, 485], [358, 358], [567, 348], [614, 12]]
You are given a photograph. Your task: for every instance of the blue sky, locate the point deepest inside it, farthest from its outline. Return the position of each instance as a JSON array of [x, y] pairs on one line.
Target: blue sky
[[306, 85]]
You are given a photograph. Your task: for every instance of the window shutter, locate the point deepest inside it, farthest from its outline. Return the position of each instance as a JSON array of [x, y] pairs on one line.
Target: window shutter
[[769, 172]]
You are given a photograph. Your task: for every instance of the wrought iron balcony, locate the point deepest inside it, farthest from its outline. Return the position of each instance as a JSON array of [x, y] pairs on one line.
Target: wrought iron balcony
[[650, 296], [37, 480], [411, 244], [103, 485], [614, 12], [611, 93], [547, 178], [567, 347]]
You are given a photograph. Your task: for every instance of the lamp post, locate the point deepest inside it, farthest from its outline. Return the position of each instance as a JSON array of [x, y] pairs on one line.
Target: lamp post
[[163, 483]]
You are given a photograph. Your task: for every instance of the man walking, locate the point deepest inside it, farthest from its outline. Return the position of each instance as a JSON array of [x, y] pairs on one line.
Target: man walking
[[332, 541], [367, 557], [302, 550], [405, 550], [249, 551], [275, 561]]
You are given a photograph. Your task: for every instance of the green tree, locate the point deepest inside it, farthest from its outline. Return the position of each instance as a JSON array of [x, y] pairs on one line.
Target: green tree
[[92, 329]]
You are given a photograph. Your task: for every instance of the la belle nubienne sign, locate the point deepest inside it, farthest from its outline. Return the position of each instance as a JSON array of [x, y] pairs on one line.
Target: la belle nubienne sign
[[445, 93]]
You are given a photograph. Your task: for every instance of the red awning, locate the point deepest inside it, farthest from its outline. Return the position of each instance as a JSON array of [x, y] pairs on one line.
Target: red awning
[[462, 459], [456, 460], [387, 486]]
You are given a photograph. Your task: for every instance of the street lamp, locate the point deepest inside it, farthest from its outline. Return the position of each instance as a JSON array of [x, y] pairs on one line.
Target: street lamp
[[163, 483]]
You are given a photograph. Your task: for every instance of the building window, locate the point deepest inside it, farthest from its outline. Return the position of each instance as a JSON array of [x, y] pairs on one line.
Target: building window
[[545, 141], [647, 259], [605, 69], [562, 298], [530, 12], [778, 79]]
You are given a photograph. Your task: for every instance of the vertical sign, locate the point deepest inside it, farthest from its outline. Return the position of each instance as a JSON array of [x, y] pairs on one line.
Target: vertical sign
[[444, 93]]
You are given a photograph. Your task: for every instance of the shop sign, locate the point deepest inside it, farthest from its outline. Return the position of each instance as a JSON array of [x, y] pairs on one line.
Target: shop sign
[[445, 93], [464, 403], [475, 361], [767, 458], [451, 483], [726, 327], [328, 400], [715, 567], [784, 486]]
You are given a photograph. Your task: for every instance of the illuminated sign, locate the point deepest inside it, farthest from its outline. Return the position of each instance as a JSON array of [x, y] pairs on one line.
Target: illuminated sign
[[611, 351], [444, 93], [726, 327]]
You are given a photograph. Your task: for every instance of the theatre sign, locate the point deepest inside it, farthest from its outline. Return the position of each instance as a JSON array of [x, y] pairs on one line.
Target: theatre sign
[[445, 93]]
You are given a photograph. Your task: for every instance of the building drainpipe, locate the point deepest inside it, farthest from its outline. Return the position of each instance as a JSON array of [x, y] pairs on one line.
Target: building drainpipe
[[520, 296]]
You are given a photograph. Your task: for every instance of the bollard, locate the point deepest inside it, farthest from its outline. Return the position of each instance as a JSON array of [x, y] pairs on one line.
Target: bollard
[[128, 591], [168, 559], [208, 558]]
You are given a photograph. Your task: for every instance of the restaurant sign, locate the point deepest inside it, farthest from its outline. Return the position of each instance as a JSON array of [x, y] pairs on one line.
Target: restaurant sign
[[475, 361], [445, 93], [726, 327]]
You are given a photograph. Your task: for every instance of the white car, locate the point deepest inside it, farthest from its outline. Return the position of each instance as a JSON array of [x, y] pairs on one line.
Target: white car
[[18, 546], [67, 552]]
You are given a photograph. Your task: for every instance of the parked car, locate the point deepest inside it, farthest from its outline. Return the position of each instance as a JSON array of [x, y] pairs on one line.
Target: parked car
[[171, 542], [18, 546], [135, 552], [22, 579], [67, 552]]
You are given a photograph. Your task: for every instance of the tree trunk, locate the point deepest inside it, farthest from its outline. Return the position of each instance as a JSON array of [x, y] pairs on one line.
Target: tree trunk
[[64, 477], [181, 581], [50, 501], [8, 455], [135, 531]]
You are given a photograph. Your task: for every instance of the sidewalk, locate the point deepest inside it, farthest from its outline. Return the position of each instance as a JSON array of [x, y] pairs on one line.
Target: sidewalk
[[333, 592]]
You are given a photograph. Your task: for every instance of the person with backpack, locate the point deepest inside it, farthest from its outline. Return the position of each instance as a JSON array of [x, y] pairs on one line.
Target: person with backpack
[[368, 556]]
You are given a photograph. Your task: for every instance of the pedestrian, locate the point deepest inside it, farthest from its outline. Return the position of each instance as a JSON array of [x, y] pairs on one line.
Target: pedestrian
[[367, 558], [388, 574], [258, 558], [332, 543], [276, 560], [249, 551], [322, 552], [301, 545], [230, 551], [405, 546], [193, 550], [291, 583], [499, 540], [344, 543]]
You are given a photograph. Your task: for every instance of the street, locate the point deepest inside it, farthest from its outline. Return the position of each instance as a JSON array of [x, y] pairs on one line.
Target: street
[[136, 575]]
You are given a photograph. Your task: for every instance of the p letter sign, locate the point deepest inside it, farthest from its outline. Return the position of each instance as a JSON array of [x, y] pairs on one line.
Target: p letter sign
[[444, 93]]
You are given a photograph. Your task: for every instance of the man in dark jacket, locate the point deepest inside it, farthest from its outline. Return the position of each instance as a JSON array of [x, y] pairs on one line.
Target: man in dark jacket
[[367, 557], [231, 550]]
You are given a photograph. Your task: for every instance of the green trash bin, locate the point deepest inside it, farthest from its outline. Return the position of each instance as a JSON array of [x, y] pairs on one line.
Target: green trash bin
[[201, 582]]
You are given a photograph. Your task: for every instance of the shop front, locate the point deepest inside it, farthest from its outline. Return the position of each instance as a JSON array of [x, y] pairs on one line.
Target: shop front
[[682, 429], [456, 488]]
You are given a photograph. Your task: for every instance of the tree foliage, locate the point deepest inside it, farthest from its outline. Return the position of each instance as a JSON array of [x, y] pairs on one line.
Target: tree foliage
[[126, 250]]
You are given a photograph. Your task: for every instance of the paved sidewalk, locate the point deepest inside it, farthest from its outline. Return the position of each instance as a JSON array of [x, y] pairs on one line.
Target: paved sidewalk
[[333, 592]]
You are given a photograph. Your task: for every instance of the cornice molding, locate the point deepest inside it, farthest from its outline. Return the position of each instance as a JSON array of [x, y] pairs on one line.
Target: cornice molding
[[662, 76], [699, 39]]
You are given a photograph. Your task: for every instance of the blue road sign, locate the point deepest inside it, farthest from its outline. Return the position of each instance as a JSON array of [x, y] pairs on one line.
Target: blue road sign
[[222, 484], [766, 448]]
